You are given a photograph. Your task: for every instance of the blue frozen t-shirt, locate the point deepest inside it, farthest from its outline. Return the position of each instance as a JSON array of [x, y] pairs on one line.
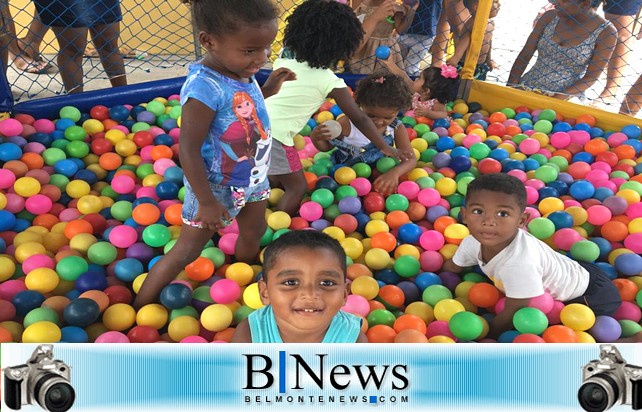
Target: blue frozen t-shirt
[[236, 150]]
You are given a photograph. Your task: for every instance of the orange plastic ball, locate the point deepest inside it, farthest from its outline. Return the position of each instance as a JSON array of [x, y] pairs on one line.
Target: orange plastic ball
[[627, 288], [410, 336], [200, 269], [381, 334], [358, 269], [78, 226], [391, 295], [146, 214], [173, 214], [397, 218], [407, 321], [110, 161], [384, 240], [559, 334], [483, 295], [614, 231]]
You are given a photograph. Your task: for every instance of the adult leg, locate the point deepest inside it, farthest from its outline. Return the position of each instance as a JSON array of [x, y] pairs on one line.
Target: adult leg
[[295, 187], [252, 225], [105, 38], [187, 248], [632, 103], [71, 45], [623, 51], [30, 44]]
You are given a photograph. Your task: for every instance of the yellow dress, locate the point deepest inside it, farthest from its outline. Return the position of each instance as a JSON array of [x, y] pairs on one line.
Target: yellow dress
[[365, 61]]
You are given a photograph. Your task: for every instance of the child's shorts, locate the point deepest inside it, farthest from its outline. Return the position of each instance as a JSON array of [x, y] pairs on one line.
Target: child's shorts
[[78, 13], [283, 159], [601, 295], [232, 197]]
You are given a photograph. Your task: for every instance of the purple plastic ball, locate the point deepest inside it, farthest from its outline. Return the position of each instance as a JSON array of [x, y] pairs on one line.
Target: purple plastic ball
[[605, 329]]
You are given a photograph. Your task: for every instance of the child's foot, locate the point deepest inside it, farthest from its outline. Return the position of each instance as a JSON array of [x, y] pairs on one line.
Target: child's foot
[[22, 60]]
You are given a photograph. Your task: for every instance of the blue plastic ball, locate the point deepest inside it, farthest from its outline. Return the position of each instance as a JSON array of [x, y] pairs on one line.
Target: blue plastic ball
[[74, 334], [27, 300], [175, 296], [382, 52], [81, 312], [409, 233], [582, 190]]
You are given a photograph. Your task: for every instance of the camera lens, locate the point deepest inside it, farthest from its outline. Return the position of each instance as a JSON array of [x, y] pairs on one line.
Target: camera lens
[[54, 393], [598, 393]]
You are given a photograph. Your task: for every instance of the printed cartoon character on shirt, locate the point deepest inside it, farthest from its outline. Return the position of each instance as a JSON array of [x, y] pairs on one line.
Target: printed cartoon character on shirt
[[245, 144]]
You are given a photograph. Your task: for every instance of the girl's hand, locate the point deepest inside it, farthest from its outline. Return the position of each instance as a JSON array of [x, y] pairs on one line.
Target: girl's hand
[[321, 132], [211, 215], [421, 112], [275, 80], [386, 184], [397, 154], [387, 8]]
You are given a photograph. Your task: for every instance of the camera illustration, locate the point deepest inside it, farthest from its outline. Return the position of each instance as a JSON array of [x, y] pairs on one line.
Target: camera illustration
[[43, 380], [610, 381]]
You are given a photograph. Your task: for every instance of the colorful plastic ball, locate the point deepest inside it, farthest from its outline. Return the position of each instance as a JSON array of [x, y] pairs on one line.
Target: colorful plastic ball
[[530, 320], [143, 334], [81, 312], [483, 295], [629, 264], [41, 332], [225, 291], [606, 329], [152, 315], [541, 228], [240, 272], [119, 317], [435, 293], [465, 326], [365, 286], [407, 266], [123, 236], [559, 334], [156, 235], [252, 297], [112, 336], [216, 317], [43, 280], [175, 295], [102, 253], [377, 258], [585, 251], [357, 305], [543, 302]]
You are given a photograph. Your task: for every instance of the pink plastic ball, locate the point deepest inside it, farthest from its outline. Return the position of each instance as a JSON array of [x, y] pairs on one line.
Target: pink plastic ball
[[439, 328], [616, 139], [163, 164], [227, 243], [409, 189], [10, 288], [123, 236], [598, 215], [432, 240], [554, 314], [532, 195], [155, 131], [543, 302], [193, 339], [44, 126], [146, 153], [123, 184], [112, 337], [15, 203], [601, 166], [225, 291], [560, 140], [429, 197], [535, 183], [174, 134], [520, 174], [580, 137], [628, 311], [38, 204], [38, 261], [311, 211], [231, 228], [69, 214], [634, 242], [7, 178], [431, 261], [357, 305], [470, 140], [34, 147], [147, 191], [634, 210], [596, 175], [10, 127], [565, 238], [361, 185], [532, 213], [529, 146]]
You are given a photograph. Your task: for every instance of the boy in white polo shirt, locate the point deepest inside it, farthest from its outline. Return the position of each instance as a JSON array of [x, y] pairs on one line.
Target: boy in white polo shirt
[[518, 263]]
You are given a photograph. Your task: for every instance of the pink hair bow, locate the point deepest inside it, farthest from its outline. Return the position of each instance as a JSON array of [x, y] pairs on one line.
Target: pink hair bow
[[449, 72]]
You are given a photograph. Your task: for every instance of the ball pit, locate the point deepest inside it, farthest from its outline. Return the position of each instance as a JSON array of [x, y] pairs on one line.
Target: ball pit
[[91, 201]]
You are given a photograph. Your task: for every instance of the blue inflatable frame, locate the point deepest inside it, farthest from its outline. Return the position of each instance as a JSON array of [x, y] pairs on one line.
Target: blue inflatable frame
[[133, 94]]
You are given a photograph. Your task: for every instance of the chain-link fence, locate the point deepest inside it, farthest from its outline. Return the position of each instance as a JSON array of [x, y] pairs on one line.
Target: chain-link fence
[[155, 42], [584, 50]]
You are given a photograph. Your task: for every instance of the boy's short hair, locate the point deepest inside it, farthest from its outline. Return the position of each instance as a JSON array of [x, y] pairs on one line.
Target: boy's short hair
[[310, 239], [499, 182]]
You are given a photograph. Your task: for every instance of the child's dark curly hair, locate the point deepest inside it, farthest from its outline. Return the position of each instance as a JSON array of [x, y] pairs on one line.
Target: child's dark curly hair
[[222, 17], [322, 32], [444, 89], [500, 183], [383, 89]]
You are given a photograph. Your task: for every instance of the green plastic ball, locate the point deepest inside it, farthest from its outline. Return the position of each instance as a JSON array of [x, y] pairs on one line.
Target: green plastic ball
[[530, 320], [397, 202], [541, 228], [75, 133], [70, 268], [466, 326], [102, 253], [70, 112], [585, 251], [156, 235], [214, 254], [547, 114], [77, 149], [345, 191], [381, 317], [434, 293], [323, 196], [385, 163], [52, 155], [156, 107], [362, 169], [407, 266]]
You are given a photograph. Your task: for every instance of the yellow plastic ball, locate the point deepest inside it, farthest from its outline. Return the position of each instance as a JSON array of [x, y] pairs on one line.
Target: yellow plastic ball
[[440, 339], [584, 337], [119, 316], [3, 201], [27, 186], [456, 232], [279, 220], [365, 286], [216, 317], [153, 315], [634, 226], [89, 204], [446, 186], [421, 309], [479, 132], [98, 170], [299, 142], [115, 136], [615, 253], [630, 195], [446, 308], [344, 175], [377, 258], [407, 250], [44, 280], [577, 317], [578, 214], [251, 296], [82, 241], [518, 156], [93, 126], [550, 204], [152, 180], [376, 226], [182, 327], [463, 288], [448, 251], [29, 236], [126, 147], [378, 216], [77, 189], [324, 115], [240, 272], [461, 108], [419, 144], [335, 233], [353, 247], [7, 267], [28, 249], [276, 193], [42, 332]]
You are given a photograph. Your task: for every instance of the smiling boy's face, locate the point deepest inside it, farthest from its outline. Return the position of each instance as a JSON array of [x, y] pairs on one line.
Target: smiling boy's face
[[306, 288]]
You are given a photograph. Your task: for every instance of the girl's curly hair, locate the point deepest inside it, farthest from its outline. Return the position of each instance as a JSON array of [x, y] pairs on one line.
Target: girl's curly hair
[[444, 89], [322, 32], [383, 89], [221, 17]]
